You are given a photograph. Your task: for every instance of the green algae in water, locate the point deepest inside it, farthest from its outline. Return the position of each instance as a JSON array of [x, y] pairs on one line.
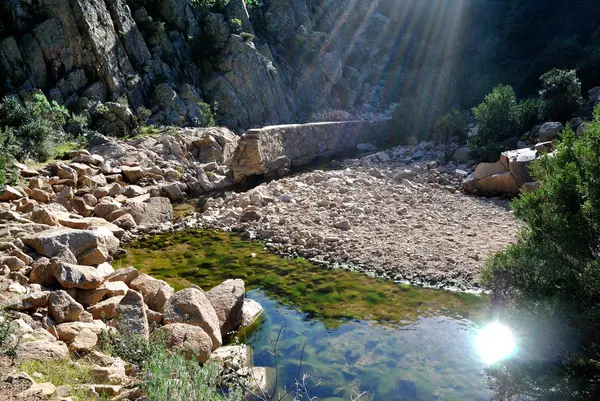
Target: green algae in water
[[397, 341], [207, 258]]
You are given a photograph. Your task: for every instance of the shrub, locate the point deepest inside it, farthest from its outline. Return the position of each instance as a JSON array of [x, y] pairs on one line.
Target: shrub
[[499, 117], [36, 125], [254, 3], [560, 97], [208, 4], [132, 348], [236, 25], [207, 116], [450, 125], [143, 114], [173, 377], [551, 276]]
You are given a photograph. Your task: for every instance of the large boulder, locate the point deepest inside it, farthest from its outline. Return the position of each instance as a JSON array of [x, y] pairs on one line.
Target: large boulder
[[191, 306], [131, 316], [498, 184], [228, 299], [84, 341], [155, 292], [484, 170], [251, 311], [68, 331], [549, 131], [192, 341], [8, 193], [100, 241], [62, 308], [78, 276], [106, 309], [42, 350], [112, 118], [27, 302], [518, 164], [125, 274], [151, 212]]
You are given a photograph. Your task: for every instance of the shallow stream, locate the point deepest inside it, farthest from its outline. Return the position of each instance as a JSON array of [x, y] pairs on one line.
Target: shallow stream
[[396, 342]]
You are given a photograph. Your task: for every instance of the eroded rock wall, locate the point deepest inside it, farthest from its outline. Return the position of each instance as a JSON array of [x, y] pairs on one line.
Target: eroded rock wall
[[275, 149], [169, 56]]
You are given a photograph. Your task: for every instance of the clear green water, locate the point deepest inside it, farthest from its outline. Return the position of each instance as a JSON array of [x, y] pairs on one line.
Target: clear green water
[[398, 342]]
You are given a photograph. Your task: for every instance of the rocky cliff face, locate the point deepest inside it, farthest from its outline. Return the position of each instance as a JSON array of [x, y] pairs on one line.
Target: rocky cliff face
[[172, 55], [167, 55], [276, 61], [260, 62]]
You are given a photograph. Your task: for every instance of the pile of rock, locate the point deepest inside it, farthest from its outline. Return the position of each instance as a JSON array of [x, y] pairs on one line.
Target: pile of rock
[[397, 213], [510, 175], [60, 232], [194, 160], [65, 293]]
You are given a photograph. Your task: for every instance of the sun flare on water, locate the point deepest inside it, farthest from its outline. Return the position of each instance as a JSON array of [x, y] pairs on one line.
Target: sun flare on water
[[495, 342]]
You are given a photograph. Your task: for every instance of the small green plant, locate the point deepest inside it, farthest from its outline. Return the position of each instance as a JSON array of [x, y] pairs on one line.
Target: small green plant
[[123, 100], [209, 4], [60, 372], [174, 377], [5, 331], [247, 36], [236, 25], [149, 131], [131, 348], [254, 3], [143, 114], [560, 97], [207, 115]]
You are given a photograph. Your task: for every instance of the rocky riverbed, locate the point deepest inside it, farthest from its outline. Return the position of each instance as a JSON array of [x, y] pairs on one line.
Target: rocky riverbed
[[398, 213]]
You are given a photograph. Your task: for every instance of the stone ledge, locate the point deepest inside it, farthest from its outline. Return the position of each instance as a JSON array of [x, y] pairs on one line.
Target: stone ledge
[[274, 149]]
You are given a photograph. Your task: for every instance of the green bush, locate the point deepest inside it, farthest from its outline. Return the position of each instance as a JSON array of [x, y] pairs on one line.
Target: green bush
[[551, 276], [36, 126], [207, 116], [218, 5], [254, 3], [448, 128], [499, 117], [560, 96]]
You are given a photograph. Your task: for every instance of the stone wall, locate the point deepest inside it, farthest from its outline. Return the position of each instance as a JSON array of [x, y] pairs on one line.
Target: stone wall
[[275, 149]]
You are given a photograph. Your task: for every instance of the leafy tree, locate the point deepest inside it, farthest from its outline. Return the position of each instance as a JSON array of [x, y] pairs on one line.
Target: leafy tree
[[36, 125], [560, 96], [550, 279], [499, 117]]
